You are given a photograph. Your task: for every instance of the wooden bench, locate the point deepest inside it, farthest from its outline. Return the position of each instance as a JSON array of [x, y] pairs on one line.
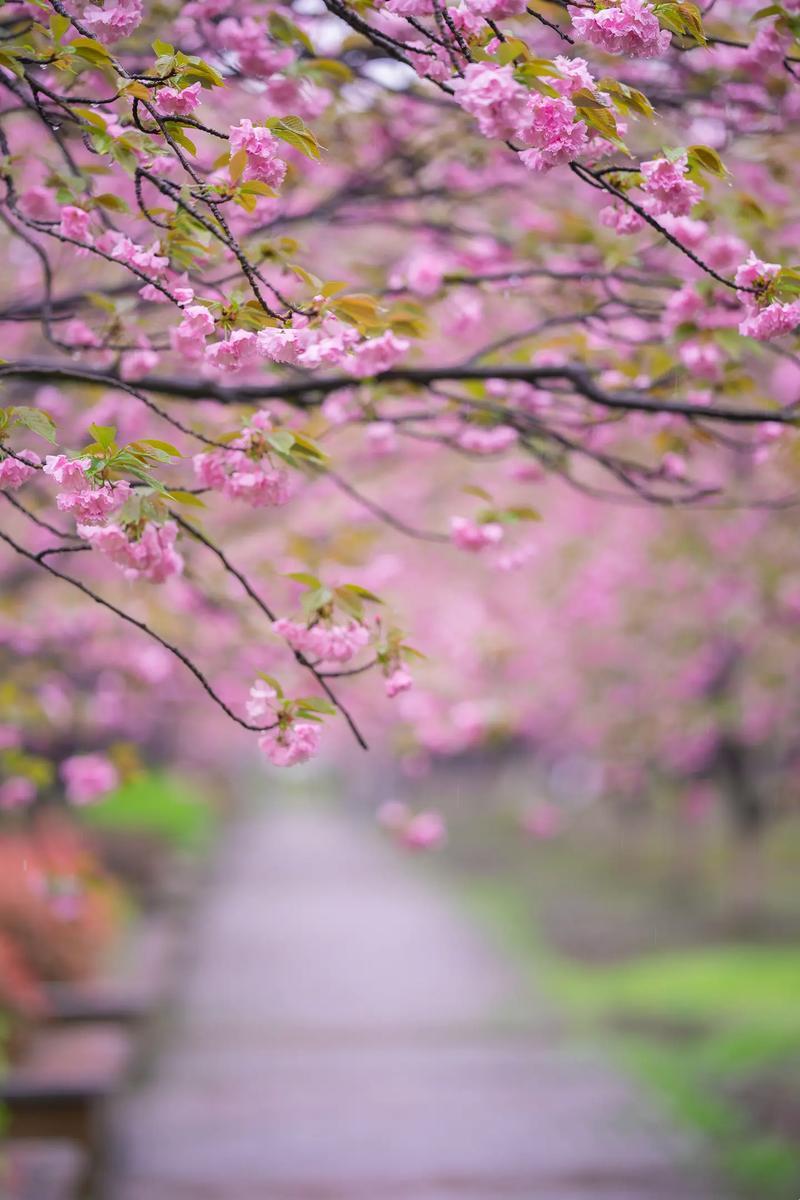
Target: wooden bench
[[59, 1087], [40, 1170], [132, 987]]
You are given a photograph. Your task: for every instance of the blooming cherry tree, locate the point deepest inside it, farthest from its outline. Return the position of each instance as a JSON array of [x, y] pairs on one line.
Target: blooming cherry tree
[[292, 282]]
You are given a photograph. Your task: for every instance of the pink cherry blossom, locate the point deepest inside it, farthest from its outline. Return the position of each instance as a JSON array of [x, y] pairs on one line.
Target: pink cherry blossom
[[16, 792], [234, 352], [177, 102], [75, 224], [13, 472], [261, 147], [667, 189], [39, 204], [324, 643], [492, 95], [261, 704], [189, 338], [148, 553], [625, 27], [773, 321], [114, 19], [398, 681], [550, 127], [87, 777], [242, 477], [68, 472], [425, 831], [494, 440], [472, 536], [754, 273], [288, 745], [377, 354], [622, 219]]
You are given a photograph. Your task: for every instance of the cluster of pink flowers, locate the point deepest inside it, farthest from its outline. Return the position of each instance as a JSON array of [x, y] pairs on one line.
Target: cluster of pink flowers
[[493, 97], [547, 125], [496, 10], [189, 338], [113, 19], [551, 130], [398, 680], [288, 742], [16, 792], [87, 776], [334, 343], [146, 259], [764, 321], [415, 831], [14, 472], [74, 224], [304, 346], [240, 477], [375, 355], [39, 203], [667, 188], [261, 148], [474, 536], [233, 352], [324, 643], [479, 440], [243, 471], [249, 39], [89, 503], [621, 219], [141, 553], [626, 27], [175, 102]]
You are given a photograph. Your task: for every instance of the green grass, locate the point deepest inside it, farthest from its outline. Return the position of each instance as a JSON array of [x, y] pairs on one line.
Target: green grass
[[738, 1003], [168, 806]]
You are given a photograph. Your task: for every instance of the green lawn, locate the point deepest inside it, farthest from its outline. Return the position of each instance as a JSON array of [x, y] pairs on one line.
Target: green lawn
[[168, 806], [707, 1027]]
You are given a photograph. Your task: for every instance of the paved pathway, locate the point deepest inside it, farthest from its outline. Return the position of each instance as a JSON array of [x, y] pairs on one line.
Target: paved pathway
[[345, 1034]]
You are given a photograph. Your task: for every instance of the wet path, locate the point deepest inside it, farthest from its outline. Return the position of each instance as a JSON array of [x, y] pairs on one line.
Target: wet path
[[345, 1034]]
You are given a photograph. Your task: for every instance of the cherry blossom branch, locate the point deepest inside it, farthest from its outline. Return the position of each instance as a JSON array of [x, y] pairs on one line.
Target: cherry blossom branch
[[307, 392], [141, 625], [299, 657]]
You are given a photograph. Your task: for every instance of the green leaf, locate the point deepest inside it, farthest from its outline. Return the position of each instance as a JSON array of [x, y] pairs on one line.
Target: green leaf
[[294, 130], [104, 435], [306, 448], [317, 704], [237, 164], [303, 577], [284, 30], [317, 599], [111, 201], [358, 590], [167, 447], [273, 683], [326, 67], [707, 160], [59, 25], [281, 440], [187, 498], [480, 492], [37, 421], [91, 51]]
